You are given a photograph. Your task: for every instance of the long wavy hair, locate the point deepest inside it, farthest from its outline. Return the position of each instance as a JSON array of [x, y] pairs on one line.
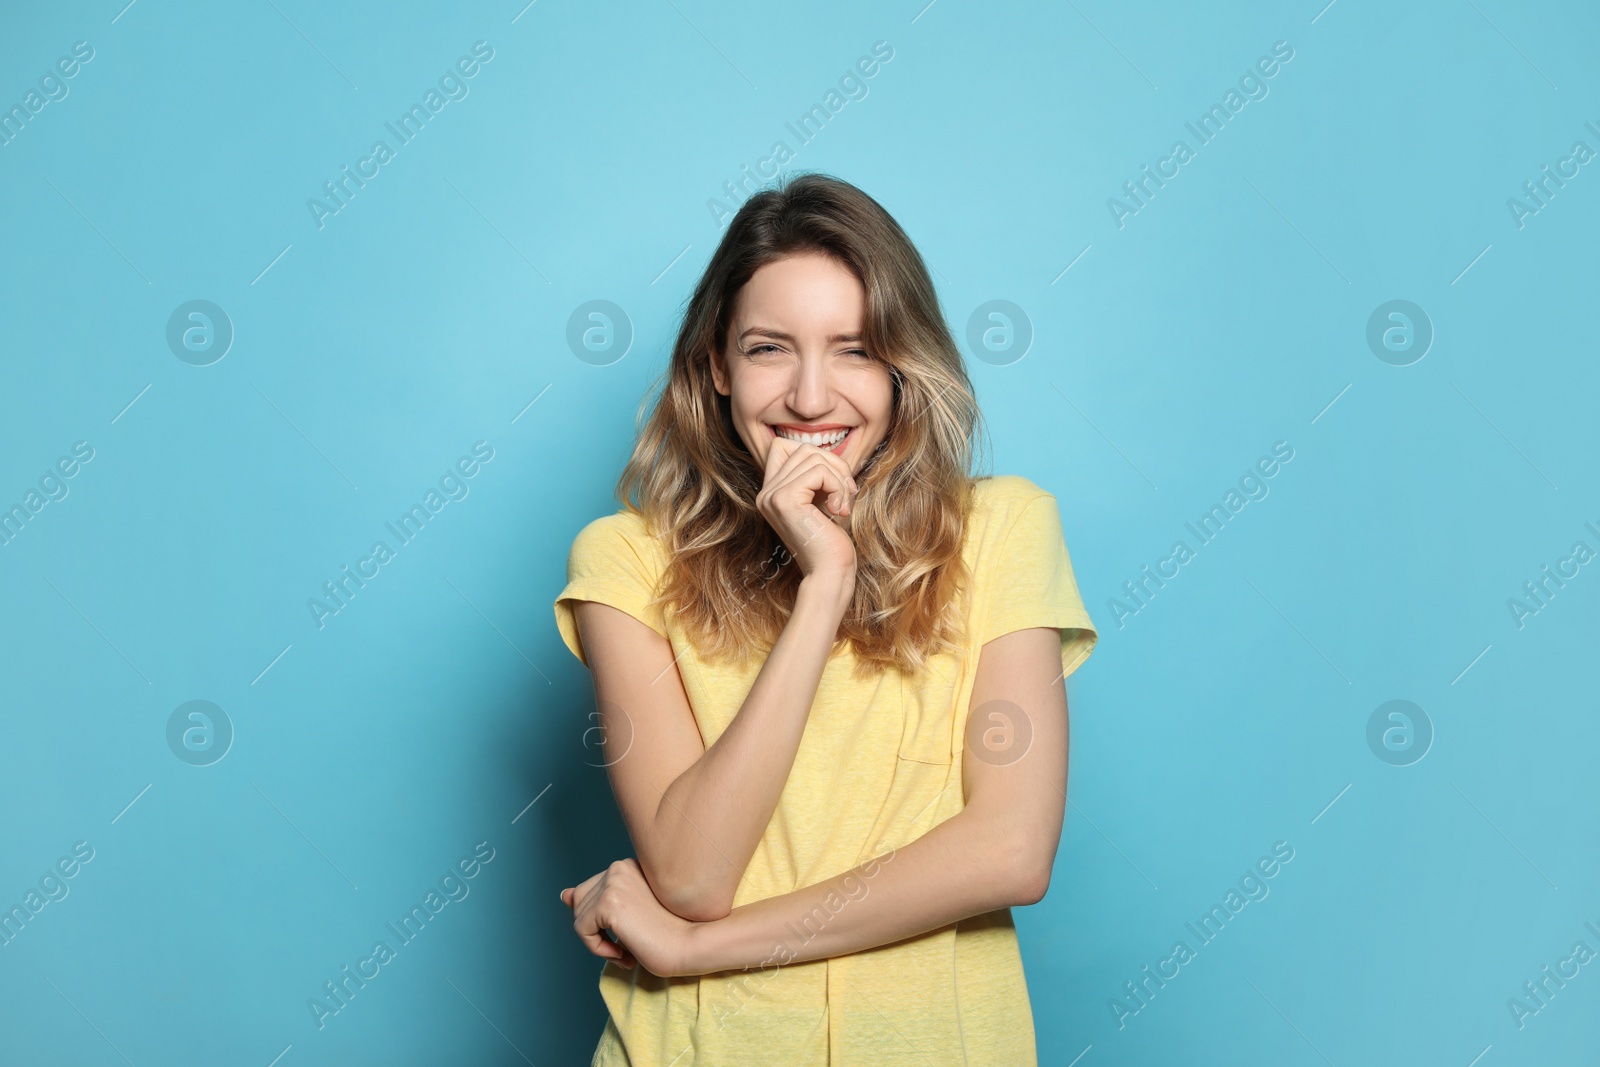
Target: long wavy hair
[[730, 582]]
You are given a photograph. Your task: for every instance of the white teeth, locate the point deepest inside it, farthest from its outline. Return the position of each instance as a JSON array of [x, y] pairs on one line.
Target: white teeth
[[821, 440]]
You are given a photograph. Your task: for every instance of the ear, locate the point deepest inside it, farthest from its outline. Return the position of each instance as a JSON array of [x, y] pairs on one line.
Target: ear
[[719, 376]]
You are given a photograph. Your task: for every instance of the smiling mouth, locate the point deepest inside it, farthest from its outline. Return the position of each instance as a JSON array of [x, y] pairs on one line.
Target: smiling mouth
[[837, 447]]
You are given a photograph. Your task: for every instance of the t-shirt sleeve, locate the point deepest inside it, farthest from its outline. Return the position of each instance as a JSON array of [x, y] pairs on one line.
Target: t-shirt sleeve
[[1030, 583], [610, 563]]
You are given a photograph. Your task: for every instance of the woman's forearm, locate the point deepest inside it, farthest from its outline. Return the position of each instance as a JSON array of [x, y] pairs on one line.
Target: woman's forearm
[[712, 816], [968, 865]]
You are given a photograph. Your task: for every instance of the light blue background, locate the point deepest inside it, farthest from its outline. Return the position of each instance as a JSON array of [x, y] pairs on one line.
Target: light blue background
[[369, 354]]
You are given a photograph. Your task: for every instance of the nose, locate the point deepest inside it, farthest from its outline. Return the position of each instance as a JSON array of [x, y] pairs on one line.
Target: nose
[[811, 390]]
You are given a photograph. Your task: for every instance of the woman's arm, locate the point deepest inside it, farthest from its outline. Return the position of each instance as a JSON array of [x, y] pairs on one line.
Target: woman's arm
[[696, 814], [996, 852]]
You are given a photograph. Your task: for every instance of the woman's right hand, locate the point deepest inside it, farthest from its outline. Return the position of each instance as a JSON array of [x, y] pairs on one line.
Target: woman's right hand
[[797, 477]]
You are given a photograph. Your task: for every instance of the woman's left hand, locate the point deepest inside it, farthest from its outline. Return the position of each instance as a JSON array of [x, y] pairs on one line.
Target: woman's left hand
[[619, 899]]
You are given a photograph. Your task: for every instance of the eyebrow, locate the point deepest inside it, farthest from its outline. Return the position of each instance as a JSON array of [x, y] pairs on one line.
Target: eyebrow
[[780, 335]]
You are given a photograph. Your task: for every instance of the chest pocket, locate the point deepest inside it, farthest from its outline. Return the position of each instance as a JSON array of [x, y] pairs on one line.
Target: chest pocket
[[930, 706]]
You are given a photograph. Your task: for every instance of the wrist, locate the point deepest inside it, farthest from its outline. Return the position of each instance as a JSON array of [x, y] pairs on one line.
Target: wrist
[[835, 587], [702, 945]]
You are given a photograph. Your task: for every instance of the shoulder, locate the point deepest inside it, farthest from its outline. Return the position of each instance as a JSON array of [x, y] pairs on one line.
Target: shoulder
[[623, 533], [1007, 487], [621, 523], [999, 499], [1013, 519]]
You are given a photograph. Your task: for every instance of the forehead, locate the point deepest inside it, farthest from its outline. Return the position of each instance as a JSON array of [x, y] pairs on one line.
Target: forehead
[[799, 292]]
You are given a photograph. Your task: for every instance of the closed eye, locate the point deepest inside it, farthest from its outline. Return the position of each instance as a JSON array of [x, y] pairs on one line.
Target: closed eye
[[762, 349]]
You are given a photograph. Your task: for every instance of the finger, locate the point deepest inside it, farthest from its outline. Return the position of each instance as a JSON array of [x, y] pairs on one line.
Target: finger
[[778, 456], [832, 500], [590, 928], [794, 454], [834, 460], [837, 461], [585, 917], [813, 476], [624, 957], [586, 888], [810, 494], [597, 944]]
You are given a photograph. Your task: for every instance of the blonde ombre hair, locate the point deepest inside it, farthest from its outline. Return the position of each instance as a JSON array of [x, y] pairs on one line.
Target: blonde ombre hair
[[729, 582]]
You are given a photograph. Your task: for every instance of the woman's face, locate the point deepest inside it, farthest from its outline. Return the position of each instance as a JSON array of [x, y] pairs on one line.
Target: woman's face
[[794, 360]]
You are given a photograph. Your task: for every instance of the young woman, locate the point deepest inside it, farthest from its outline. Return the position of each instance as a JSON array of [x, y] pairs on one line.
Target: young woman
[[829, 665]]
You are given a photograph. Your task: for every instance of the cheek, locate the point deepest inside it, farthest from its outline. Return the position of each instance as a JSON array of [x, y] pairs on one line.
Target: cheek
[[758, 391]]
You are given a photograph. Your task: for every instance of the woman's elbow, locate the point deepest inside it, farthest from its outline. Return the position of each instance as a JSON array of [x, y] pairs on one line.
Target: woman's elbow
[[701, 908], [697, 902], [1029, 868], [1032, 884]]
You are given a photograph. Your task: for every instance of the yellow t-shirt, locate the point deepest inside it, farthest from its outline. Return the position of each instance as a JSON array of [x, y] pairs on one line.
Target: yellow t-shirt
[[879, 765]]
